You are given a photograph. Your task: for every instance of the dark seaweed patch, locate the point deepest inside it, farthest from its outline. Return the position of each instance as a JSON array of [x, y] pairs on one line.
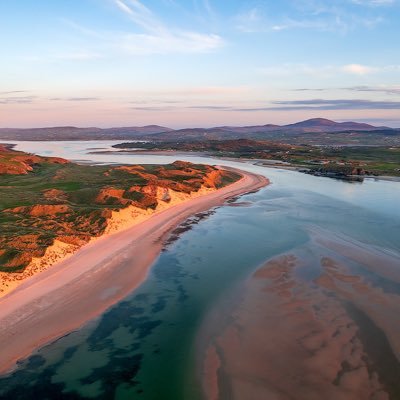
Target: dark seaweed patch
[[187, 226], [159, 304], [380, 354]]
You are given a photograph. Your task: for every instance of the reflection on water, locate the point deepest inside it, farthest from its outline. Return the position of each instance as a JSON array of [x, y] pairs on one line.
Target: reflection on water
[[375, 195], [144, 346]]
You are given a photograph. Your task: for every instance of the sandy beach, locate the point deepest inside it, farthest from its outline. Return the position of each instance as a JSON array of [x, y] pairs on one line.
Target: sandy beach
[[119, 220], [62, 298]]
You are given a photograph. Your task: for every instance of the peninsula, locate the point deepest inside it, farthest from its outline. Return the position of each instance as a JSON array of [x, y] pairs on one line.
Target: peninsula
[[51, 207], [338, 161], [99, 228]]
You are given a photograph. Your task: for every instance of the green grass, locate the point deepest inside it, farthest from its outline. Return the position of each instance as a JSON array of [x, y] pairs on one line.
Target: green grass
[[135, 196], [228, 179], [379, 160], [80, 186]]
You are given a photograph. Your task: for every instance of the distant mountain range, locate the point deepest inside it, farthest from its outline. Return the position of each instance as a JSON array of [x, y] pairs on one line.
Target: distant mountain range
[[311, 131], [310, 125], [315, 125], [74, 133]]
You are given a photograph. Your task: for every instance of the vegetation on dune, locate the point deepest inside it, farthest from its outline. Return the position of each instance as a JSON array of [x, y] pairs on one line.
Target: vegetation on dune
[[342, 159], [52, 199]]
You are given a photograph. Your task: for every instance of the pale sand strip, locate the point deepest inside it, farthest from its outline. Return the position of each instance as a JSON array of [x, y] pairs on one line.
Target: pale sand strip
[[62, 298], [120, 220]]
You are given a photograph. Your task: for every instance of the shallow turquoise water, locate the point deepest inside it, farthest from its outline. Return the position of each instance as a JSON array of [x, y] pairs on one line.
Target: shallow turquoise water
[[144, 346]]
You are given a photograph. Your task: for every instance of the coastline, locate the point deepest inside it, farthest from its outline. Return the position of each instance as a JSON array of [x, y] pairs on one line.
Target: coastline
[[276, 164], [120, 220], [97, 276]]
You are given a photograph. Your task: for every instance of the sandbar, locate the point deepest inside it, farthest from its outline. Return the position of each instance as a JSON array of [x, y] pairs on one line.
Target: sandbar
[[80, 288]]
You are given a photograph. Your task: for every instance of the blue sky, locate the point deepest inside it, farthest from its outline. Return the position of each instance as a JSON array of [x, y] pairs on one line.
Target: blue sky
[[198, 62]]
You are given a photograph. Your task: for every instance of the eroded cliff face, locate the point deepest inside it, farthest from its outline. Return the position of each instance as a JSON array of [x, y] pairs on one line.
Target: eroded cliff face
[[60, 206], [19, 163]]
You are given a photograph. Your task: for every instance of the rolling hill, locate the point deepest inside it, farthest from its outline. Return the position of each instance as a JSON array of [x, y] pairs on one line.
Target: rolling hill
[[317, 131]]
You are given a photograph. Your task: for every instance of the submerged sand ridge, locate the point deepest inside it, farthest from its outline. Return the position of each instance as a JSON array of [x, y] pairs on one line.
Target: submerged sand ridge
[[98, 275], [332, 336]]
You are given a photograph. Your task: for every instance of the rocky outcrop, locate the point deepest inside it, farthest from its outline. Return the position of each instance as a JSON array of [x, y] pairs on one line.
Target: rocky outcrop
[[111, 195], [55, 195], [19, 163], [41, 210]]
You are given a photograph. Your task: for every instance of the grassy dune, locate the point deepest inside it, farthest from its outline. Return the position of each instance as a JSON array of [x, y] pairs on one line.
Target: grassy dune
[[53, 199]]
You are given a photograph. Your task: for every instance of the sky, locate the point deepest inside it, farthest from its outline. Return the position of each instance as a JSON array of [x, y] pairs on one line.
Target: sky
[[198, 63]]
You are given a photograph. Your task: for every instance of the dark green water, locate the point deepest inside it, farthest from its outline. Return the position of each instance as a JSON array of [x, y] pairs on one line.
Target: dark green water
[[144, 347]]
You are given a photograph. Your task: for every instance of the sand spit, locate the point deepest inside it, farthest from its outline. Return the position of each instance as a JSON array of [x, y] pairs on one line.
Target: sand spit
[[119, 221], [62, 298]]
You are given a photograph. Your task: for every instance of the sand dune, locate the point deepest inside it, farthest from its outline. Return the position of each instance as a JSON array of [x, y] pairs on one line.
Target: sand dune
[[80, 288], [120, 220]]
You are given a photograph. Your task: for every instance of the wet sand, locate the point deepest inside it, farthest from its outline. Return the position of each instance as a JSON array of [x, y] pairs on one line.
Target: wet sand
[[100, 274], [331, 336]]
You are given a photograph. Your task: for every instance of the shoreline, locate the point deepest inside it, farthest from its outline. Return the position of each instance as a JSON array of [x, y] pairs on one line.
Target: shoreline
[[276, 164], [120, 220], [96, 277]]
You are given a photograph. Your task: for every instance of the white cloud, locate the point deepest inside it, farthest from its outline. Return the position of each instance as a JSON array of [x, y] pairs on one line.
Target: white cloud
[[251, 21], [323, 70], [207, 6], [333, 16], [184, 42], [141, 15], [149, 35], [373, 2], [157, 37], [358, 69]]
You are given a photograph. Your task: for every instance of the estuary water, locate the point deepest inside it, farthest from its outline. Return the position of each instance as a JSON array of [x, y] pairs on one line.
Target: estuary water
[[146, 346]]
